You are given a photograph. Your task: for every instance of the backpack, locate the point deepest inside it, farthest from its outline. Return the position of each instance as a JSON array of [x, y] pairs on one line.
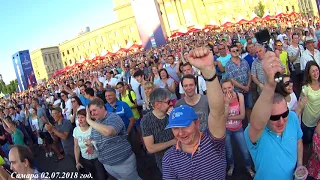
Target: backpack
[[198, 90]]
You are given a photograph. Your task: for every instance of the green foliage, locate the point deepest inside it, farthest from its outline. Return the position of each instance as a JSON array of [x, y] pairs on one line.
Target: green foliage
[[8, 88], [259, 9]]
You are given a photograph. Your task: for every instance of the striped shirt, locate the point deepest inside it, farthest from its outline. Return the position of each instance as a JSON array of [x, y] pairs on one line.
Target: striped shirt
[[208, 161], [112, 150]]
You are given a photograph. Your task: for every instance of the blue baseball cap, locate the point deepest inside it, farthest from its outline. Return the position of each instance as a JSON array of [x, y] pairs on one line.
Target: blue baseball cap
[[181, 116]]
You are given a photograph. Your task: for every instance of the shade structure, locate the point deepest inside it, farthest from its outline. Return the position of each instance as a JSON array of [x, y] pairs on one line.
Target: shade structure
[[122, 50], [242, 21], [211, 26], [110, 54], [255, 19], [192, 30], [76, 65], [268, 17], [227, 24], [177, 34], [135, 46], [295, 14], [280, 15]]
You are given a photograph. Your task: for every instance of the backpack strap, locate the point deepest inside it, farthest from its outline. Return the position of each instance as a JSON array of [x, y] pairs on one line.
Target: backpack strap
[[120, 97], [197, 81], [139, 89], [130, 97]]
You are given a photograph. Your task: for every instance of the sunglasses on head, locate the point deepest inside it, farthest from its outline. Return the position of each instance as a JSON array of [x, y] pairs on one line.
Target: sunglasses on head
[[277, 117], [287, 83], [279, 45]]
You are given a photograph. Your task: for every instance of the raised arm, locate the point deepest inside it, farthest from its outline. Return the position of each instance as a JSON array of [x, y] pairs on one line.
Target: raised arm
[[262, 109], [202, 59]]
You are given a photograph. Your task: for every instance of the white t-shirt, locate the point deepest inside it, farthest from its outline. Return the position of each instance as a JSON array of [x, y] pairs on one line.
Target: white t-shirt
[[112, 82], [82, 137], [293, 102], [201, 83]]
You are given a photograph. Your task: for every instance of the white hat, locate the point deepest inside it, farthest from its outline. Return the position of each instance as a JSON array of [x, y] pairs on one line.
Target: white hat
[[309, 39]]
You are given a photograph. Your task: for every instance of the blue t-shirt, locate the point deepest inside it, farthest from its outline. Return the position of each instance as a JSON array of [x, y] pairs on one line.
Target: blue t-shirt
[[123, 110], [278, 152], [224, 61], [84, 100], [250, 59]]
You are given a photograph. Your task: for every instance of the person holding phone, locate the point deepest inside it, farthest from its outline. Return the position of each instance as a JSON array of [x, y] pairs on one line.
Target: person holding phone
[[82, 144]]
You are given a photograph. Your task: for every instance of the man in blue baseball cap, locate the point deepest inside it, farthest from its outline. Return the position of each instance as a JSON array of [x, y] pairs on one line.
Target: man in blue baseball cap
[[198, 155]]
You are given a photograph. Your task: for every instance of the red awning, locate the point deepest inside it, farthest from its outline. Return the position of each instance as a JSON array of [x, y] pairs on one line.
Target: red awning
[[135, 46], [192, 30], [256, 19], [177, 34], [210, 26], [122, 50], [280, 15], [294, 14], [242, 21], [227, 24], [268, 17]]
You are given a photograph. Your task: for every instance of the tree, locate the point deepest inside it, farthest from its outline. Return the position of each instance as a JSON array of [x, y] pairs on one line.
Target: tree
[[8, 88], [259, 9]]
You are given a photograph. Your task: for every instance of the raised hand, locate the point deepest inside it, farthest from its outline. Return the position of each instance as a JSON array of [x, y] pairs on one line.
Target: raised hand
[[271, 65], [202, 58]]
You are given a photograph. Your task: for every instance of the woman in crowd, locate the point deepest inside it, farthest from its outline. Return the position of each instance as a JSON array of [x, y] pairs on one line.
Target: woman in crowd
[[89, 160], [66, 105], [311, 90], [235, 113], [285, 88], [168, 83], [155, 77], [16, 135], [148, 88], [76, 106]]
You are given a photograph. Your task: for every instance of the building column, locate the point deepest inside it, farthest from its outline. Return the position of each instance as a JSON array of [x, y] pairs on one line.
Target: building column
[[165, 19], [181, 13], [194, 14], [195, 7], [175, 10]]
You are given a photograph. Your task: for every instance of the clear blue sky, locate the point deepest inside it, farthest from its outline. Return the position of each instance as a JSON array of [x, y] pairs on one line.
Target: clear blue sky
[[33, 24]]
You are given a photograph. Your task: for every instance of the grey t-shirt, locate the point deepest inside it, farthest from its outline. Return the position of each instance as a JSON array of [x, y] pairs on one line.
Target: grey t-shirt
[[151, 125], [67, 144], [40, 112], [201, 108]]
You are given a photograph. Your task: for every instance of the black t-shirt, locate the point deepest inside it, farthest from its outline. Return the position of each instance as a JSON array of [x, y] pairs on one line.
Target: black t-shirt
[[101, 95], [2, 132]]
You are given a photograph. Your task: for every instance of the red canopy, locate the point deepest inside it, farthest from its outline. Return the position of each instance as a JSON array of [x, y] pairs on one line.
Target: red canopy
[[58, 72], [280, 15], [268, 17], [122, 50], [227, 24], [135, 46], [256, 19], [294, 14], [177, 34], [242, 21], [76, 65], [86, 61], [192, 30], [210, 26]]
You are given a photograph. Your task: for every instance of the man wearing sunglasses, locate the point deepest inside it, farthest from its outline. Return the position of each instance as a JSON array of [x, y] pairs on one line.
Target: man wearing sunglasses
[[238, 71], [274, 134]]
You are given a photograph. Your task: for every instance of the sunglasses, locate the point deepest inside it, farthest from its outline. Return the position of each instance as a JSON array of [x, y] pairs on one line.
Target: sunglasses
[[279, 45], [234, 51], [287, 83], [277, 117]]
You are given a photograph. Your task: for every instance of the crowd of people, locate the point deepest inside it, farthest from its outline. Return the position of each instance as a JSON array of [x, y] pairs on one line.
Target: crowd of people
[[182, 102]]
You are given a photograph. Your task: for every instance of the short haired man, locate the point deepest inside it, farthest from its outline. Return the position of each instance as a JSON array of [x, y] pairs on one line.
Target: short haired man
[[200, 83], [121, 108], [310, 54], [89, 94], [222, 60], [140, 95], [274, 134], [22, 163], [156, 139], [197, 101], [63, 129], [198, 155], [109, 137], [257, 72]]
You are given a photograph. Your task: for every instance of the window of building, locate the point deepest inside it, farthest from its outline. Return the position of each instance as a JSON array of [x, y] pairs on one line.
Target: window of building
[[172, 21], [90, 43], [110, 36], [38, 73], [57, 56], [188, 17], [116, 34], [219, 6], [60, 65], [50, 58], [70, 61], [227, 5], [131, 29], [78, 47], [97, 40], [68, 52], [293, 8], [73, 50], [84, 45], [65, 64], [167, 3], [103, 38], [45, 58], [211, 8], [62, 54], [287, 8], [124, 31], [48, 68], [235, 4]]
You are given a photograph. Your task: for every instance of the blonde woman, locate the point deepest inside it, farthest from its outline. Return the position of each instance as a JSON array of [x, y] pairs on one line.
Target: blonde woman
[[148, 88]]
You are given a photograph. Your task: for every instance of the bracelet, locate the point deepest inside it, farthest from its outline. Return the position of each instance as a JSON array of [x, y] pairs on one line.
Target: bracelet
[[211, 79]]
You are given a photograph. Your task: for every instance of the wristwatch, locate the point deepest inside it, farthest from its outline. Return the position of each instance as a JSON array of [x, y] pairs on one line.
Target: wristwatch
[[211, 79]]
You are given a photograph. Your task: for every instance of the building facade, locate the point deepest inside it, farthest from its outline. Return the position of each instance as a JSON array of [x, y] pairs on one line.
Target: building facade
[[23, 69], [309, 7], [45, 62], [109, 38]]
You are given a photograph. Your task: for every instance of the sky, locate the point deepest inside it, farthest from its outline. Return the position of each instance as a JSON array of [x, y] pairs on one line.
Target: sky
[[34, 24]]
